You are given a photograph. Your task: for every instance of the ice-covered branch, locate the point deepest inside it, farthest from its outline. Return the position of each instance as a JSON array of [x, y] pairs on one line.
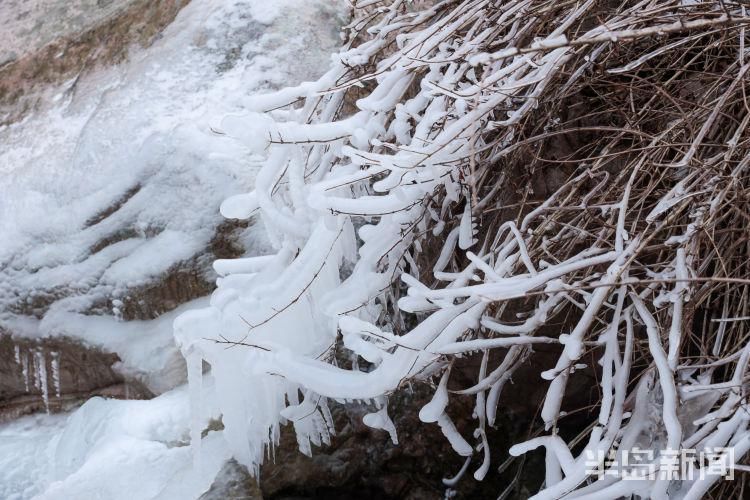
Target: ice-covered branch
[[489, 177]]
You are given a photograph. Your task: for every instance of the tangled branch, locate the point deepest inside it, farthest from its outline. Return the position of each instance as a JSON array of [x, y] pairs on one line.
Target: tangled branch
[[565, 173]]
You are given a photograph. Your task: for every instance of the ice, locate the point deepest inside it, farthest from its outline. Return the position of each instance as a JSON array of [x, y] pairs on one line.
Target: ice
[[432, 411], [137, 137], [466, 229], [55, 364], [457, 441], [146, 348], [239, 206], [110, 449], [130, 449], [25, 371], [40, 364], [105, 189], [195, 379], [377, 166], [381, 420], [343, 193]]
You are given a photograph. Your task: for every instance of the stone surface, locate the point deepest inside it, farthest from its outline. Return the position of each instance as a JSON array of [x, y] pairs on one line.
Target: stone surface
[[28, 25], [233, 482], [363, 463], [82, 372], [44, 42], [41, 43]]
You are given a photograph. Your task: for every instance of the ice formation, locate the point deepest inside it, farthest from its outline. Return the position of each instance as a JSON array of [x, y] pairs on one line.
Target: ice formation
[[348, 196], [138, 136]]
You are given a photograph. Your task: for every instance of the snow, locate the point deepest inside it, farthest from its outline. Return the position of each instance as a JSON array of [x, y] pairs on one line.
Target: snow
[[139, 137], [113, 448], [171, 246], [27, 448], [109, 449], [344, 198]]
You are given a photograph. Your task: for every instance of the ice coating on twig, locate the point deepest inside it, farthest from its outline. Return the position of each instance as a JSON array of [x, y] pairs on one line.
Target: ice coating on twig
[[354, 190]]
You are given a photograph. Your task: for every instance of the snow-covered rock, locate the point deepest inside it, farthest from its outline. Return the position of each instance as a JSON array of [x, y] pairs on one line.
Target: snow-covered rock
[[109, 209], [109, 199], [47, 41]]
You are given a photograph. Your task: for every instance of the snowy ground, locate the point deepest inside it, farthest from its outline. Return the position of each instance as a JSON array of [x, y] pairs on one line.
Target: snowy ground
[[108, 449], [26, 448], [146, 123]]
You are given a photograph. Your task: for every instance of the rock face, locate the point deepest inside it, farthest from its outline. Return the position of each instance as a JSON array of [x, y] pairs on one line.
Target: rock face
[[182, 282], [43, 42], [363, 463], [56, 374], [70, 372], [111, 187]]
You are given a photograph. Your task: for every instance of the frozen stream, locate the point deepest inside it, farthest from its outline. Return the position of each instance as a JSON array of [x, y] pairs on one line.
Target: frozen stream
[[144, 126]]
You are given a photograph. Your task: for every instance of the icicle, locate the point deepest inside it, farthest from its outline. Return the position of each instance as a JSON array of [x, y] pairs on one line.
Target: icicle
[[25, 371], [17, 354], [35, 371], [466, 233], [117, 307], [457, 441], [55, 363], [381, 420], [41, 375], [195, 383]]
